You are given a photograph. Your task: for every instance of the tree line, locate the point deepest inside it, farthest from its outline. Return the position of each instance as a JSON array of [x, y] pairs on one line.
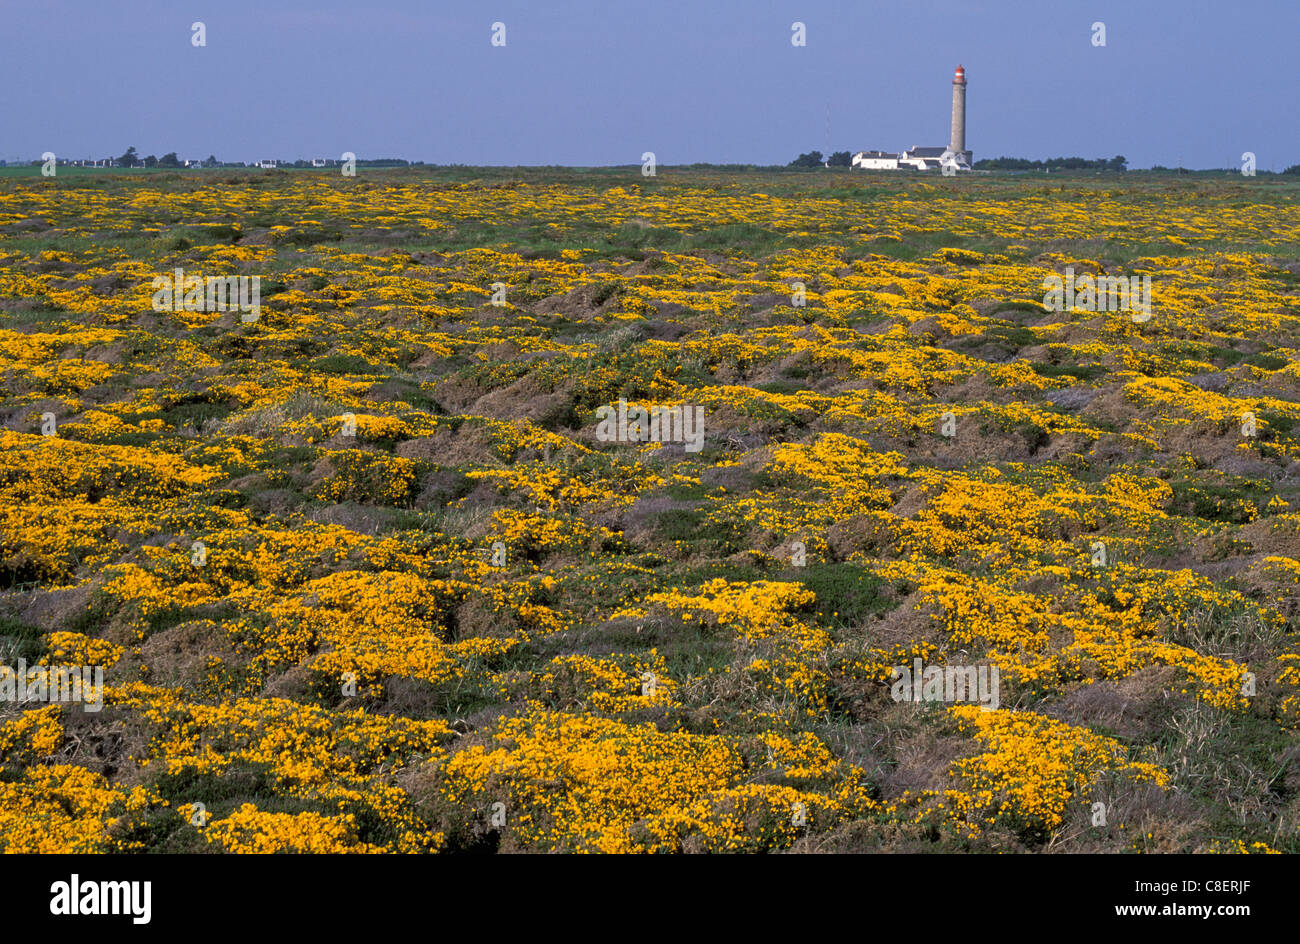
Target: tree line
[[132, 159], [815, 159], [1116, 163]]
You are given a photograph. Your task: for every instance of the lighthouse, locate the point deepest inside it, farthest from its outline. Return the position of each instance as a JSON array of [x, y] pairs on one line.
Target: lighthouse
[[957, 141], [956, 157]]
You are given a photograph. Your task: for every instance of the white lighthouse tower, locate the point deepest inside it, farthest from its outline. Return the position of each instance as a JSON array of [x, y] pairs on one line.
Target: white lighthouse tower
[[956, 154]]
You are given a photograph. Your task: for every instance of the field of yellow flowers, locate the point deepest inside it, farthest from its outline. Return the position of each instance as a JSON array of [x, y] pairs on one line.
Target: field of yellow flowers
[[361, 576]]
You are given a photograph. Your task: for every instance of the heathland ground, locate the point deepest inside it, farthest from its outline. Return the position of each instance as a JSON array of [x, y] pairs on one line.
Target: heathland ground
[[362, 576]]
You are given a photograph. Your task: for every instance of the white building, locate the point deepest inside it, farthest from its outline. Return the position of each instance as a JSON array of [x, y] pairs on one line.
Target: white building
[[875, 160], [923, 158], [914, 158]]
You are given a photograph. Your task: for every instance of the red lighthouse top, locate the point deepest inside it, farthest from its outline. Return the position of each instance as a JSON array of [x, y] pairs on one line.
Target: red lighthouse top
[[960, 77]]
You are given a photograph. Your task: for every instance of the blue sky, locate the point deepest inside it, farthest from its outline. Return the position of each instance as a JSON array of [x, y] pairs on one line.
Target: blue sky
[[593, 82]]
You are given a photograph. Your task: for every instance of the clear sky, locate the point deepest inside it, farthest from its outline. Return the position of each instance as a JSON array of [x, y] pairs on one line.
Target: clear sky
[[593, 82]]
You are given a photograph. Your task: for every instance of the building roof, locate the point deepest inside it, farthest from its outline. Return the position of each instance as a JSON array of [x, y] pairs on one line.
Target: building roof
[[926, 152], [886, 154]]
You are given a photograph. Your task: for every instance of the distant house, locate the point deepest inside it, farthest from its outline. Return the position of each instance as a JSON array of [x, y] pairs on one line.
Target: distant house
[[269, 165], [923, 158], [317, 162], [875, 160]]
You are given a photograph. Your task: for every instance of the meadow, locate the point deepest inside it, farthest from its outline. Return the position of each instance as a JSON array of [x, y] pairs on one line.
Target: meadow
[[362, 576]]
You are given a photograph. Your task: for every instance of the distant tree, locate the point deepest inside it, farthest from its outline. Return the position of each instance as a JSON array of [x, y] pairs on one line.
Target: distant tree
[[169, 160], [129, 159], [1293, 169], [212, 159], [151, 161], [1119, 162], [840, 159], [811, 159]]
